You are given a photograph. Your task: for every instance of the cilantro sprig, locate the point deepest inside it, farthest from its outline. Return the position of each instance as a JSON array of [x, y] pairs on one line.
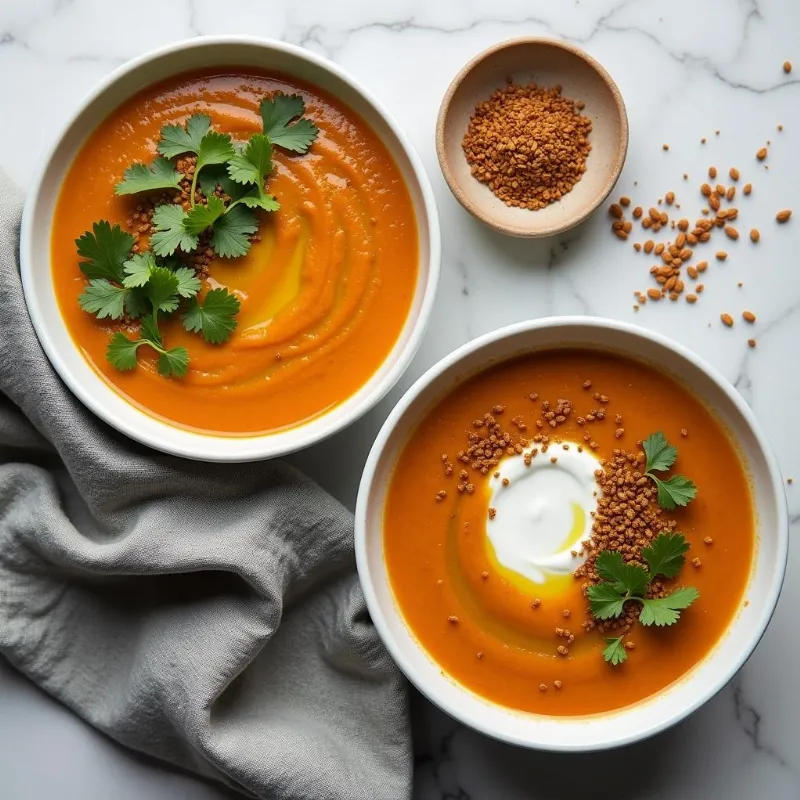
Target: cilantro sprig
[[676, 490], [154, 284], [143, 287], [623, 583]]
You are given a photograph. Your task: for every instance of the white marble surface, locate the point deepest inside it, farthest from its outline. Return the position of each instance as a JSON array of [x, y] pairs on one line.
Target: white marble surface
[[685, 68]]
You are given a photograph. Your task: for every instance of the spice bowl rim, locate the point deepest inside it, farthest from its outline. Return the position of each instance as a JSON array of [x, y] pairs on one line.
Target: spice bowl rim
[[669, 705], [35, 261], [533, 229]]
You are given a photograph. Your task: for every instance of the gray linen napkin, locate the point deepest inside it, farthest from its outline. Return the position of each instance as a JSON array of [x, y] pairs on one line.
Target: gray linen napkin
[[208, 615]]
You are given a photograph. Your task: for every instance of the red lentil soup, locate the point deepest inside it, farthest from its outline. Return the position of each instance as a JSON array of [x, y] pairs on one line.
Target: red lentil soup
[[324, 292], [500, 636]]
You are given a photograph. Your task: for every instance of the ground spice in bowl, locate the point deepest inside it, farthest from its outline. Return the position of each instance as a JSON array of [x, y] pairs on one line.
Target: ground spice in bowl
[[528, 144]]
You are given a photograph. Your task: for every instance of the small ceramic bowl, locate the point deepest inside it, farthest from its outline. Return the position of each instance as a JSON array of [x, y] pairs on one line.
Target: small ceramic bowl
[[547, 63], [65, 355], [670, 705]]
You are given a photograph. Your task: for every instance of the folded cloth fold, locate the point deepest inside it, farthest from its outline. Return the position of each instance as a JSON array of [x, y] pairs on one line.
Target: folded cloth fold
[[208, 615]]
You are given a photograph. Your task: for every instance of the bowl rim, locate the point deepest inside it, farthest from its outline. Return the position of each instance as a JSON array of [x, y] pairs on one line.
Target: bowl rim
[[616, 167], [398, 652], [217, 447]]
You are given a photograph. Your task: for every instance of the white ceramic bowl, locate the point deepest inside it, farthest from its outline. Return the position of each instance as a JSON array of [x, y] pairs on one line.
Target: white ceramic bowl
[[40, 297], [673, 703]]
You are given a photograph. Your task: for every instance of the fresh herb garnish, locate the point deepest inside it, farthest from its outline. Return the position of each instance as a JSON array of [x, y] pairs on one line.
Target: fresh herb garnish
[[153, 284], [277, 113], [623, 583], [676, 490]]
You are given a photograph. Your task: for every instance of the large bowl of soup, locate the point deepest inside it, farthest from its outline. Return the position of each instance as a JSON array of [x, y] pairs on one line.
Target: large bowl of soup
[[571, 533], [331, 298]]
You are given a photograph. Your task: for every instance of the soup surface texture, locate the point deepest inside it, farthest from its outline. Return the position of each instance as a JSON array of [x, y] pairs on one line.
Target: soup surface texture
[[324, 293], [497, 631]]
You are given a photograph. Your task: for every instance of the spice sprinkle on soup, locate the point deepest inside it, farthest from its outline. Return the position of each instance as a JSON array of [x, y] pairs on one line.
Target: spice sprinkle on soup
[[569, 532], [234, 252]]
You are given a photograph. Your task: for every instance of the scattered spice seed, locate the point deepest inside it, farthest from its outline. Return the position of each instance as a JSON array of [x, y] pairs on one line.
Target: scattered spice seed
[[734, 173], [787, 67], [637, 212], [528, 144], [761, 154], [720, 255], [665, 146], [749, 316], [783, 216], [751, 342], [731, 232], [669, 198], [754, 235], [615, 211], [624, 201], [727, 319], [712, 172], [747, 188], [691, 298]]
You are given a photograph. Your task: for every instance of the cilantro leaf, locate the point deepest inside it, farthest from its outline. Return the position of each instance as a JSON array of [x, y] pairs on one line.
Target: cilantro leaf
[[676, 491], [103, 298], [215, 148], [170, 234], [664, 555], [121, 351], [660, 454], [136, 303], [142, 178], [625, 578], [614, 651], [149, 331], [217, 175], [197, 219], [276, 114], [605, 601], [214, 317], [232, 232], [666, 610], [188, 282], [256, 198], [104, 251], [254, 164], [137, 269], [173, 363], [162, 289], [177, 139]]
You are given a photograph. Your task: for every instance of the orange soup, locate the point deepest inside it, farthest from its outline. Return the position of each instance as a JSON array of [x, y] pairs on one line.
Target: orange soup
[[522, 633], [325, 288]]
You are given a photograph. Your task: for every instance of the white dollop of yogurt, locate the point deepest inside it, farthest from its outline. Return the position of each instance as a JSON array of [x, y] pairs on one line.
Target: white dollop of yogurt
[[544, 512]]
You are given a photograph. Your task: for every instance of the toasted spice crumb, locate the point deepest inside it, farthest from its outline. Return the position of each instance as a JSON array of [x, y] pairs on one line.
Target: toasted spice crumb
[[536, 602], [751, 342], [703, 140], [440, 495], [566, 613], [787, 67], [665, 146], [697, 563], [669, 198], [529, 144], [727, 319], [708, 540], [629, 645], [562, 651], [557, 684], [748, 316], [783, 216], [453, 619], [619, 433], [485, 575], [542, 687], [761, 154], [479, 655], [684, 432]]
